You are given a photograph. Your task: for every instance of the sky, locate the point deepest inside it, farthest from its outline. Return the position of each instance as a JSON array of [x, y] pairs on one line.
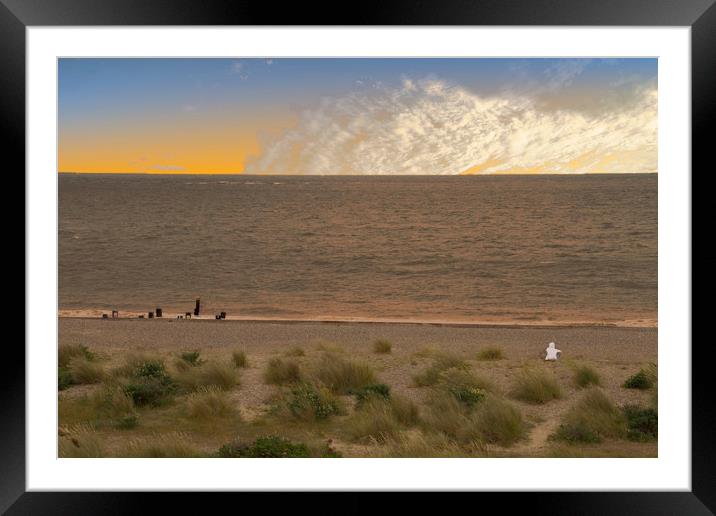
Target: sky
[[358, 116]]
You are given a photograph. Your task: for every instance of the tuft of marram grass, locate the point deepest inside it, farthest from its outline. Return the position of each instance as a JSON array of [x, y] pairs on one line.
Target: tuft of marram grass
[[112, 405], [295, 351], [378, 419], [499, 422], [490, 353], [343, 376], [80, 441], [422, 445], [239, 359], [83, 371], [535, 385], [585, 375], [382, 346], [591, 419], [441, 362], [169, 445], [66, 352], [218, 374], [208, 403], [308, 402], [280, 372]]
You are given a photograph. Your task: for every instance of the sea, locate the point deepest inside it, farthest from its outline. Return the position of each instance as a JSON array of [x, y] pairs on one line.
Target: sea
[[546, 249]]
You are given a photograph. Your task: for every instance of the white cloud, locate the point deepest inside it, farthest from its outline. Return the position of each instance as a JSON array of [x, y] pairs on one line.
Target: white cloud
[[431, 127]]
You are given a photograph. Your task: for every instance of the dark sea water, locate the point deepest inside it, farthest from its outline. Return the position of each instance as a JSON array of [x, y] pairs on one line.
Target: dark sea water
[[485, 248]]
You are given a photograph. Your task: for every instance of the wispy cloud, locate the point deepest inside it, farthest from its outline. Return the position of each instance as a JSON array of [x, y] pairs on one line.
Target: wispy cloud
[[431, 127]]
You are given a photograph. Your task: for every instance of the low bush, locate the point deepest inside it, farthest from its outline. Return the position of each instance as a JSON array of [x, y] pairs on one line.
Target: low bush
[[264, 447], [343, 376], [382, 347], [536, 386], [239, 359], [279, 372], [193, 358], [64, 378], [377, 390], [642, 423], [593, 418], [490, 353], [308, 403], [464, 385], [149, 383], [585, 376], [641, 380]]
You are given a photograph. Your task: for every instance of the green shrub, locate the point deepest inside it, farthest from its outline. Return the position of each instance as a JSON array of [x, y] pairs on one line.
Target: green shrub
[[642, 423], [64, 378], [151, 369], [149, 391], [584, 376], [66, 352], [468, 395], [593, 418], [441, 362], [641, 380], [279, 372], [344, 376], [264, 447], [193, 358], [309, 403], [239, 359], [382, 346], [536, 386], [465, 386], [490, 353], [377, 390]]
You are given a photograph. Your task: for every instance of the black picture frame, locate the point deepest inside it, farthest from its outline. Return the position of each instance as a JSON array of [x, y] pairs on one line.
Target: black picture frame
[[700, 15]]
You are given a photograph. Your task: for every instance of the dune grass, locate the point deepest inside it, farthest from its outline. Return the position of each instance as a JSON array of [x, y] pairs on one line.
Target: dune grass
[[280, 372], [221, 375], [377, 419], [382, 346], [193, 358], [308, 402], [344, 376], [490, 353], [465, 385], [271, 446], [80, 441], [66, 352], [593, 418], [83, 371], [165, 445], [295, 351], [535, 385], [208, 403], [585, 376], [76, 364], [499, 422], [425, 445], [148, 382], [441, 362], [239, 359]]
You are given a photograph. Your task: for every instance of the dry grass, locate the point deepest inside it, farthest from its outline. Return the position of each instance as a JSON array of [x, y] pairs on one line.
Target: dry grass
[[239, 359], [83, 371], [66, 352], [585, 376], [499, 422], [591, 419], [441, 362], [208, 403], [80, 441], [344, 376], [535, 385], [382, 347], [490, 353], [217, 374], [280, 372], [295, 351], [172, 444], [379, 419]]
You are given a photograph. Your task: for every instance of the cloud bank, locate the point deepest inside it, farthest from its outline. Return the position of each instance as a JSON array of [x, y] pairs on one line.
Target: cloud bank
[[432, 127]]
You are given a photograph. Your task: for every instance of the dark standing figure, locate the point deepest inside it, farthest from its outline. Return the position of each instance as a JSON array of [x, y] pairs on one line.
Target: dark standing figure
[[196, 309]]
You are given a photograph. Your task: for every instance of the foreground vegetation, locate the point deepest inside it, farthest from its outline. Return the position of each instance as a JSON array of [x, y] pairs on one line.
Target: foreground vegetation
[[326, 403]]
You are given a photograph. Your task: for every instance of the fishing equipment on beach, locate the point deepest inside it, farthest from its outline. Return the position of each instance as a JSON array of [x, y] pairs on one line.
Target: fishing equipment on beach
[[150, 315], [115, 314], [158, 312], [187, 315], [223, 315]]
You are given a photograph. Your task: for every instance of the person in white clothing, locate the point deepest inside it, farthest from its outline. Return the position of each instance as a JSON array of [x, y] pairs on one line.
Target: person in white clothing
[[552, 352]]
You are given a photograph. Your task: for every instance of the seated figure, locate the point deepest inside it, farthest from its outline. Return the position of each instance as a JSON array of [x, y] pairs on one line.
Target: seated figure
[[552, 352]]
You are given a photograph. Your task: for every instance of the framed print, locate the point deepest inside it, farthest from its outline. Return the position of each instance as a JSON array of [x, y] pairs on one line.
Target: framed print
[[418, 250]]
